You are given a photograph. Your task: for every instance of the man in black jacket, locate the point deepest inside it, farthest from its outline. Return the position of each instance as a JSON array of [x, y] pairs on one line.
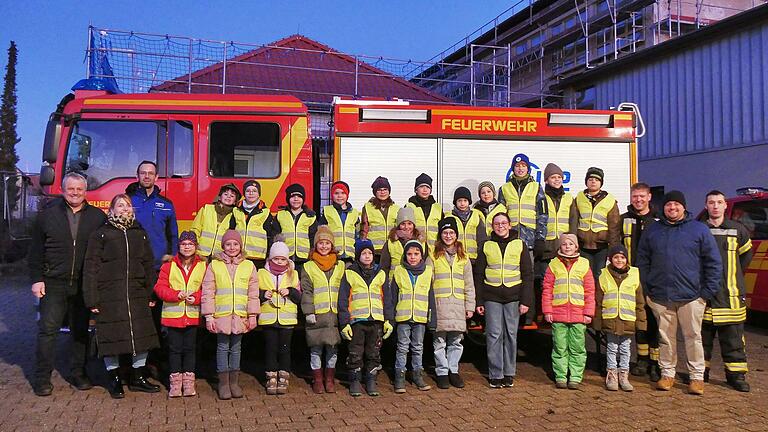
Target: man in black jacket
[[59, 240]]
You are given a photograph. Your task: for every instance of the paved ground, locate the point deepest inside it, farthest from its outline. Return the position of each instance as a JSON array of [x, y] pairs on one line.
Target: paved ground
[[532, 405]]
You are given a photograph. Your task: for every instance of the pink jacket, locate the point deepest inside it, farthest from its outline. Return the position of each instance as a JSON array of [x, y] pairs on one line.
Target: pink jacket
[[568, 313], [231, 324]]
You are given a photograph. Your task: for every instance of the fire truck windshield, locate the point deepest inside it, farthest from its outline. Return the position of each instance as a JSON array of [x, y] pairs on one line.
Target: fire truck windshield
[[754, 215]]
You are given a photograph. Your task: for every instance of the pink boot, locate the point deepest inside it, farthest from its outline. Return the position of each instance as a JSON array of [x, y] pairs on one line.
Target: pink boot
[[175, 387], [189, 384]]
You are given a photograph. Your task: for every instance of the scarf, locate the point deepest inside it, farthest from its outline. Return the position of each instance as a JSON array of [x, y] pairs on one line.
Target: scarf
[[463, 215], [222, 210], [277, 270], [555, 193], [486, 207], [424, 204], [568, 257], [381, 205], [326, 262], [248, 208], [403, 236], [121, 222], [417, 269], [367, 273]]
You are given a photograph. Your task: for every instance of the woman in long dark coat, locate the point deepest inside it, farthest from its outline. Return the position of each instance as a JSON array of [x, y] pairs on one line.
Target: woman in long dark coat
[[117, 284]]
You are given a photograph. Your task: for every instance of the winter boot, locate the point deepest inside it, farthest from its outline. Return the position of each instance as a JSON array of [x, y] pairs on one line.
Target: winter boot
[[370, 383], [399, 381], [174, 387], [223, 389], [271, 383], [354, 383], [139, 383], [443, 382], [115, 384], [282, 382], [737, 380], [612, 380], [641, 367], [317, 381], [654, 371], [624, 381], [455, 380], [234, 384], [188, 384], [706, 375], [330, 385], [418, 380]]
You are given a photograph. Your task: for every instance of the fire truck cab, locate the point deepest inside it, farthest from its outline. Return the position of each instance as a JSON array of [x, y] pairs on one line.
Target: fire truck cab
[[750, 207]]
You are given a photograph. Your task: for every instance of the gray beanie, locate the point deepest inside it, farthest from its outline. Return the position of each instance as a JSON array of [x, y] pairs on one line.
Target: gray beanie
[[488, 185], [552, 169], [405, 214]]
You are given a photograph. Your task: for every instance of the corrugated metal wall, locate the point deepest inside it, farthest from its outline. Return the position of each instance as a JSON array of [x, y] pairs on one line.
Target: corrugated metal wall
[[712, 96]]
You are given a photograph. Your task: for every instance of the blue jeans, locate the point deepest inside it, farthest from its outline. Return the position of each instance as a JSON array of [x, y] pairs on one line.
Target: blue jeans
[[410, 335], [228, 352], [316, 354], [113, 362], [448, 350], [620, 345], [501, 321]]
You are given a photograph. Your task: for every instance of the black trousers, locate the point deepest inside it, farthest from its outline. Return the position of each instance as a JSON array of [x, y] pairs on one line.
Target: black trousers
[[731, 338], [597, 259], [648, 340], [54, 307], [181, 348], [365, 346], [277, 347]]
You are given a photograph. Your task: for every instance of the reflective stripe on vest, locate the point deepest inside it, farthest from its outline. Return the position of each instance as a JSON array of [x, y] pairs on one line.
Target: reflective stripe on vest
[[296, 236], [366, 301], [176, 282], [278, 309], [343, 235], [467, 235], [412, 300], [557, 221], [254, 235], [209, 240], [231, 294], [325, 295], [378, 225], [428, 226], [594, 219], [627, 227], [489, 218], [521, 209], [620, 300], [503, 270], [734, 311], [449, 278], [569, 284]]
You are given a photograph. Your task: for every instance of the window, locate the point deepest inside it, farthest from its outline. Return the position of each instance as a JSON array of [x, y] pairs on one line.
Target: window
[[585, 98], [536, 40], [556, 29], [244, 150], [180, 149], [520, 49], [754, 216], [106, 150]]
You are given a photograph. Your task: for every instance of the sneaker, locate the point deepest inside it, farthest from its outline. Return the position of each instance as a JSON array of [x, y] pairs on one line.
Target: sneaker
[[561, 384], [665, 383], [443, 382], [496, 383], [696, 387], [509, 381], [573, 385], [455, 380]]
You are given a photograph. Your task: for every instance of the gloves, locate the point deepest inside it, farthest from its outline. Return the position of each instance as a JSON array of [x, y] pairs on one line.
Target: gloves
[[387, 329], [311, 319], [346, 332]]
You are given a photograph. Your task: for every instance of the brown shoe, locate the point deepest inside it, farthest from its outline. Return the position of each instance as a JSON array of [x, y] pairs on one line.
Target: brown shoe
[[665, 383], [696, 387]]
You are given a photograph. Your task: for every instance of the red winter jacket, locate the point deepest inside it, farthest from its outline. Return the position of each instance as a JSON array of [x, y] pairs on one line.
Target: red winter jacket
[[568, 313], [167, 293]]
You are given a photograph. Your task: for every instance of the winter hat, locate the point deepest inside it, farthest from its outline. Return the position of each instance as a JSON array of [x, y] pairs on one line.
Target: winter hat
[[231, 235], [462, 192], [295, 189], [571, 237], [279, 249], [233, 188], [381, 182], [674, 195], [488, 185], [596, 173], [521, 157], [405, 214], [188, 236], [412, 244], [447, 223], [618, 249], [423, 179], [250, 183], [340, 185], [323, 233], [552, 169], [361, 245]]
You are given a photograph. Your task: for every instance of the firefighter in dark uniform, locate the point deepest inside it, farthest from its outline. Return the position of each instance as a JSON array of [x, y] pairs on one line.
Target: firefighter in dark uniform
[[725, 314], [640, 215]]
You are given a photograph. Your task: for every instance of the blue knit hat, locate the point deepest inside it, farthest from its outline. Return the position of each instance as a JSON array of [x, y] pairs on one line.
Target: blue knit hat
[[521, 157], [361, 245]]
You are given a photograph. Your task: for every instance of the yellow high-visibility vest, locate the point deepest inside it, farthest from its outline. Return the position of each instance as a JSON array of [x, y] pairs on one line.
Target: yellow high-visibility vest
[[558, 220], [396, 252], [569, 284], [296, 235], [627, 227], [209, 231], [503, 270], [468, 234], [489, 218], [413, 299], [594, 219], [178, 309], [449, 278], [325, 296], [343, 234], [278, 309], [427, 226], [366, 300], [231, 294], [619, 300], [380, 225], [253, 234], [521, 209]]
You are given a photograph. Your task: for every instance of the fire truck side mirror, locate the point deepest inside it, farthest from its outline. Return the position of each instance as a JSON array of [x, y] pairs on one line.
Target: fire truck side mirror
[[52, 137], [47, 175]]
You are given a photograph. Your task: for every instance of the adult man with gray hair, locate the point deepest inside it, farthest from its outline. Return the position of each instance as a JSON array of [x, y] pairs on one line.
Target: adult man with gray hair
[[59, 240]]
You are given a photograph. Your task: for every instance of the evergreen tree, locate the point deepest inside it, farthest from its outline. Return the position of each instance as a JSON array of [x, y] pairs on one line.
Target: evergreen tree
[[8, 117]]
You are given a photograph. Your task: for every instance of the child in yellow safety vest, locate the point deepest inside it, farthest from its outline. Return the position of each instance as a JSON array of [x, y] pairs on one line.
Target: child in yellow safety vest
[[179, 288], [620, 312], [404, 231], [254, 222], [342, 219], [230, 305], [378, 216], [488, 205], [320, 282], [427, 211], [213, 220], [469, 222], [568, 302], [280, 295], [414, 299], [297, 223]]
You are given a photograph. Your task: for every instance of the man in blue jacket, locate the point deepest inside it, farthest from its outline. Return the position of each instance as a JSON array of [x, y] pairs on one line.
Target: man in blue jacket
[[680, 269]]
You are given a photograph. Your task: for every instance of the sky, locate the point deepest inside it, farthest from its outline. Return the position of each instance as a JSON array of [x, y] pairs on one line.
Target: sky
[[52, 36]]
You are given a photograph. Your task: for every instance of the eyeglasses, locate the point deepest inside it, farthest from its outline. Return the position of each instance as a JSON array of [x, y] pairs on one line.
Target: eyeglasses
[[500, 224]]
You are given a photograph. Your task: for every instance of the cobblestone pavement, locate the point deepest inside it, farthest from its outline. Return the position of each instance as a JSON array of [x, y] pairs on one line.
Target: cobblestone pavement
[[532, 405]]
